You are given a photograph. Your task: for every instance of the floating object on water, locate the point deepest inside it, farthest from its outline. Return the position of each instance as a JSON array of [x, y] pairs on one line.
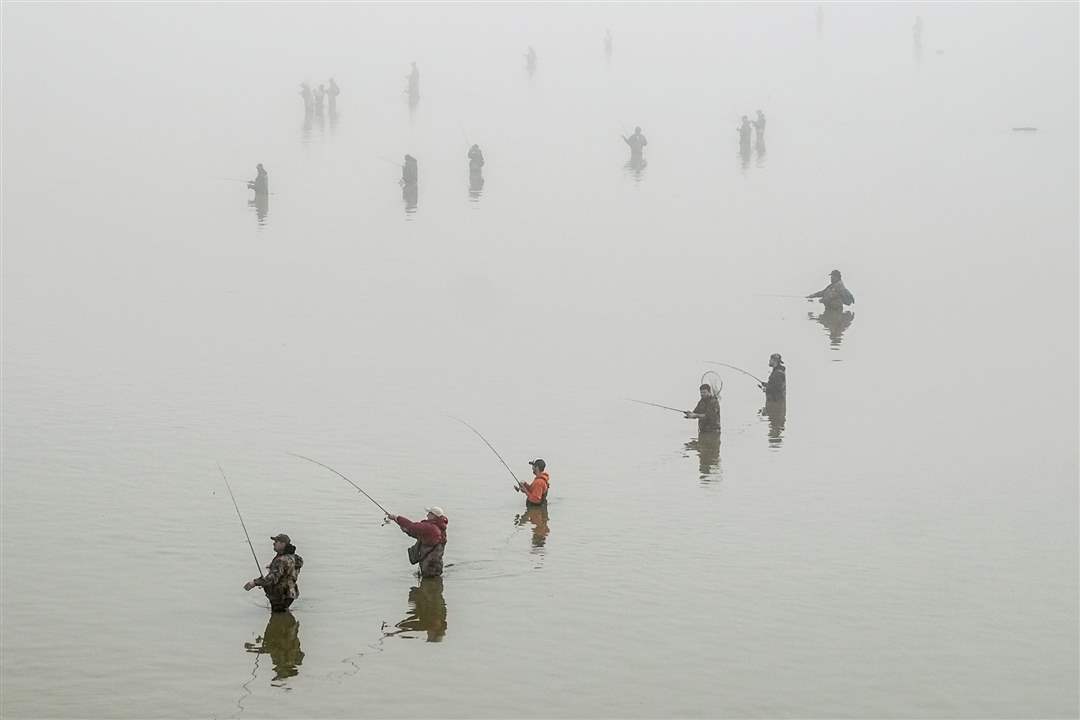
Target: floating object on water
[[1025, 129]]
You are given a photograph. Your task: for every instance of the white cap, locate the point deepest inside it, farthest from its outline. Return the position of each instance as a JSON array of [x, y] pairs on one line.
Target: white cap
[[435, 510]]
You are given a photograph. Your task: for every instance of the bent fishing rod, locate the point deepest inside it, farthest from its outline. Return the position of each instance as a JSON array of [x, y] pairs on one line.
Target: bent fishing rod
[[739, 369], [256, 557], [492, 447], [304, 457], [662, 407]]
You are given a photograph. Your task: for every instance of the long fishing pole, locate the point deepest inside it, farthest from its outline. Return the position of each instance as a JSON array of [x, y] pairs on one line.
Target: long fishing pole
[[739, 369], [799, 297], [490, 446], [395, 163], [662, 407], [304, 457], [256, 557]]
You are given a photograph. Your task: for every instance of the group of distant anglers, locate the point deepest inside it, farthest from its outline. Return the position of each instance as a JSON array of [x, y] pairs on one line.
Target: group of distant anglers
[[280, 580]]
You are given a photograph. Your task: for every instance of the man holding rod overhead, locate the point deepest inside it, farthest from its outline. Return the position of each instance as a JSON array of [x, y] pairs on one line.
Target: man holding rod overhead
[[279, 583], [536, 492]]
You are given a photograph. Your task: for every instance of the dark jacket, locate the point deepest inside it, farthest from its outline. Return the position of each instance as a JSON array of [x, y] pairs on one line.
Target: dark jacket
[[710, 408], [776, 387]]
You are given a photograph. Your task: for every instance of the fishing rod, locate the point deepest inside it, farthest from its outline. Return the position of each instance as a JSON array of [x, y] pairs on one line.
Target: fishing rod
[[799, 297], [662, 407], [395, 163], [256, 557], [490, 446], [739, 369], [304, 457]]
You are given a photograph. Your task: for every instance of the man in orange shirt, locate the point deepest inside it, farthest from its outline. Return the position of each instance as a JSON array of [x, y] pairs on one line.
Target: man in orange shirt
[[536, 492]]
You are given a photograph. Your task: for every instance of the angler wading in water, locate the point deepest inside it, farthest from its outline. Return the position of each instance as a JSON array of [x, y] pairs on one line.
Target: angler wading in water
[[279, 582], [430, 535], [536, 492]]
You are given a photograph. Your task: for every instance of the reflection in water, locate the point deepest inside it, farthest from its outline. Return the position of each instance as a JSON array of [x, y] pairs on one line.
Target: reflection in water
[[744, 154], [410, 193], [476, 184], [305, 129], [836, 322], [537, 516], [333, 120], [427, 612], [759, 152], [281, 639], [775, 411], [261, 203], [635, 167], [707, 447], [414, 100]]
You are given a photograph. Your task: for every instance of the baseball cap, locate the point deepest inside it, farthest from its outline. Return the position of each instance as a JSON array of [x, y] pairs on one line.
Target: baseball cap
[[436, 510], [282, 537], [538, 463]]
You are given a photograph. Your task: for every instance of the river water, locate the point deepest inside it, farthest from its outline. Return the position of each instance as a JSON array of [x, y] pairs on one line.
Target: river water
[[902, 542]]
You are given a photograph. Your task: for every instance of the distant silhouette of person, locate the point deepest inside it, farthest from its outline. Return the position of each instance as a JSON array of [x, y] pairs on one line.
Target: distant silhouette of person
[[320, 93], [476, 158], [775, 411], [835, 295], [410, 171], [537, 516], [744, 130], [476, 174], [759, 127], [609, 44], [309, 101], [637, 143], [530, 61], [281, 640], [426, 613], [331, 93], [413, 86], [261, 183]]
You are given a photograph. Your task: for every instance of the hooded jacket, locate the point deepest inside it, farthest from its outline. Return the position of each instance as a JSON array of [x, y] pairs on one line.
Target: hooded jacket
[[428, 532], [537, 490]]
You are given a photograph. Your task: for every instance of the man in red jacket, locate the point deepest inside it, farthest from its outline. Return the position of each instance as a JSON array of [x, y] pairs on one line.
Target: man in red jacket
[[430, 535]]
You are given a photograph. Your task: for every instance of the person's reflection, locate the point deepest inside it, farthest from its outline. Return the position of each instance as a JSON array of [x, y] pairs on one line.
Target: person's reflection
[[333, 120], [707, 447], [537, 516], [427, 612], [305, 129], [261, 203], [775, 411], [836, 322], [476, 184], [635, 167], [744, 155], [281, 639], [410, 193], [759, 152]]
